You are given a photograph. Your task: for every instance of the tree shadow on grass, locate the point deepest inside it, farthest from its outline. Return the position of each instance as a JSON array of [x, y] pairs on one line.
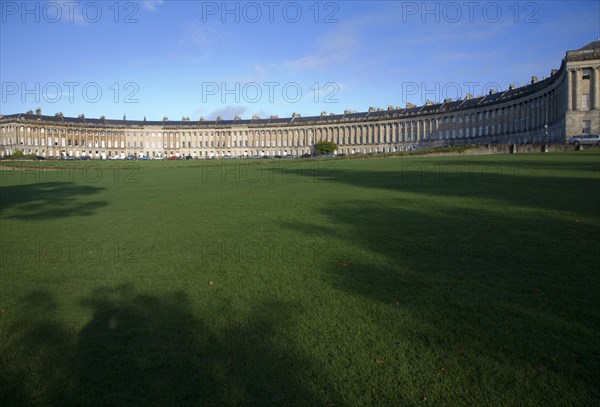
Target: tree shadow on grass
[[145, 350], [520, 183], [47, 200], [511, 293], [35, 353]]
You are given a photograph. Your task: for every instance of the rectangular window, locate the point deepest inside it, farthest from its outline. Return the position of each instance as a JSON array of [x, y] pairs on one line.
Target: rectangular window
[[586, 126], [585, 101], [585, 73]]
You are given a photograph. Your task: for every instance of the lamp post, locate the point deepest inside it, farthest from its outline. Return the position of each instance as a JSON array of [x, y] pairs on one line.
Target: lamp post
[[546, 138]]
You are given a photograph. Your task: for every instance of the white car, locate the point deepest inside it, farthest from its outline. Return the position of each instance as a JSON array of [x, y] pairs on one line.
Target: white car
[[586, 140]]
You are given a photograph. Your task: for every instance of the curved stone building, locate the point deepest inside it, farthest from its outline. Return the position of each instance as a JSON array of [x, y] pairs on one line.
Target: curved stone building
[[550, 110]]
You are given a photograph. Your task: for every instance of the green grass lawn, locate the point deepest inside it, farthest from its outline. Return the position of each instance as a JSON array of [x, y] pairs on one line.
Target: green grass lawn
[[444, 281]]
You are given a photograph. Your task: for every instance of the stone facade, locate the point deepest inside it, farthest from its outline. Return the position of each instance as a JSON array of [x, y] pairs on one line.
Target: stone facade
[[583, 96], [548, 111]]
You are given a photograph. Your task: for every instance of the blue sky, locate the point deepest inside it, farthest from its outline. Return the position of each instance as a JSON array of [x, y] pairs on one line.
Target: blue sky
[[193, 59]]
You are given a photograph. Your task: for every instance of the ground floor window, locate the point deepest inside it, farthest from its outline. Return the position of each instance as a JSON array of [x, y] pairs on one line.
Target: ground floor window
[[586, 126]]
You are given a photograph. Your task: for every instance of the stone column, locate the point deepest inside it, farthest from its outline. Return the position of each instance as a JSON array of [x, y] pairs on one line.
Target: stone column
[[576, 94], [569, 81], [281, 139], [388, 132]]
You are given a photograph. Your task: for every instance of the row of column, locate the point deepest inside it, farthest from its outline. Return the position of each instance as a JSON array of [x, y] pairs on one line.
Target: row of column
[[522, 116], [574, 82]]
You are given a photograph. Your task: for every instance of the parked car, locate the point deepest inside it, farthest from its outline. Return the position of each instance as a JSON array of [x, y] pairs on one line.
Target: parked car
[[172, 158], [590, 140], [39, 158], [306, 155], [84, 157], [131, 157], [144, 158]]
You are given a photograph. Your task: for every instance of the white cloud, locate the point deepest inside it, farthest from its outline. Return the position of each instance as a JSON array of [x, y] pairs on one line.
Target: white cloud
[[333, 50], [151, 5], [200, 40], [227, 112]]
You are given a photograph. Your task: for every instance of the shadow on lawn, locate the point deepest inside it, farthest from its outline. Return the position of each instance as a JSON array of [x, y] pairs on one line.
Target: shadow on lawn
[[144, 350], [507, 292], [47, 200], [521, 183]]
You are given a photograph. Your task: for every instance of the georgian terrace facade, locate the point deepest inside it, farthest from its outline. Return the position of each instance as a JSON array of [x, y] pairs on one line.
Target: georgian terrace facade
[[548, 111]]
